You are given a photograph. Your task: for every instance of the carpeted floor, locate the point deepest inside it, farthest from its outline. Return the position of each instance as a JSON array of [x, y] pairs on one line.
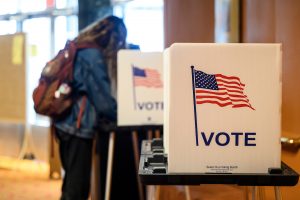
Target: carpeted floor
[[25, 179], [29, 180]]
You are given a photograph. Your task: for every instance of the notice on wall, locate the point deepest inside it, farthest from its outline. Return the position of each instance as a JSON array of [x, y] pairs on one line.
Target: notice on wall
[[13, 78], [222, 108], [17, 49], [140, 88]]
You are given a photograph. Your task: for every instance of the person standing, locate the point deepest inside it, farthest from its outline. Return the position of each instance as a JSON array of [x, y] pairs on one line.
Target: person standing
[[94, 89]]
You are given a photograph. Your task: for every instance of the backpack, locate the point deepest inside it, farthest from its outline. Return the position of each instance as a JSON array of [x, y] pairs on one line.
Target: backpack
[[53, 95]]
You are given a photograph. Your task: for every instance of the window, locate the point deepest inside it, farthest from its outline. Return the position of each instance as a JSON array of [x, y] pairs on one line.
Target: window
[[66, 4], [66, 27], [8, 27], [144, 22], [32, 5], [38, 45], [8, 7], [47, 24]]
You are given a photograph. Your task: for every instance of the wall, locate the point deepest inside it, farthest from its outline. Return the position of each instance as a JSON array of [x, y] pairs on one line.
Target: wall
[[12, 78], [188, 21], [13, 102], [278, 21]]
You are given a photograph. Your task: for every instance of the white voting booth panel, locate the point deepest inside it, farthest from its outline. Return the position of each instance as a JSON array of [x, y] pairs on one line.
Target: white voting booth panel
[[140, 88], [224, 114]]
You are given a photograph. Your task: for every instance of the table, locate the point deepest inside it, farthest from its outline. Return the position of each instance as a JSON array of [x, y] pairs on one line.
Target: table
[[153, 170]]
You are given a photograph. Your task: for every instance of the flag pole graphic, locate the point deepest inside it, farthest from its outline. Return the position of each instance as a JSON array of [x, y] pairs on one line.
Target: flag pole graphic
[[133, 87], [195, 108]]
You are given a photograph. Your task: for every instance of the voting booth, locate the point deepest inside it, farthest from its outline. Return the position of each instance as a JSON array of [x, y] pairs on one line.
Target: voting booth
[[140, 88], [140, 102], [222, 110], [222, 119]]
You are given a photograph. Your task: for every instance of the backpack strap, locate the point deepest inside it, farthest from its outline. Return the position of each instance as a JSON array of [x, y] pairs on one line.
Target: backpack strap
[[86, 45], [80, 114], [52, 134]]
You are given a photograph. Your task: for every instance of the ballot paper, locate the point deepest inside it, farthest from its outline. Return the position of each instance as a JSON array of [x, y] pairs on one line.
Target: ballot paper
[[222, 107], [140, 88]]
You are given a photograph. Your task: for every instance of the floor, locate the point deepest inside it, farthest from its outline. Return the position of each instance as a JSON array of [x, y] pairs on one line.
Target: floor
[[203, 192], [26, 179]]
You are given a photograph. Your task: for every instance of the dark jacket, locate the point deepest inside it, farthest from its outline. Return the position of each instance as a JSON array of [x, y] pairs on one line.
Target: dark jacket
[[90, 80]]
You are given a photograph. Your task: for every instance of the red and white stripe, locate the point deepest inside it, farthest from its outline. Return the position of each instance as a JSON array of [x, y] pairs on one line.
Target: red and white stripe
[[152, 79], [230, 93]]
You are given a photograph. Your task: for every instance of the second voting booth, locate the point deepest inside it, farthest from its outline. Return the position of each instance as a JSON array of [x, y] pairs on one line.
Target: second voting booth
[[140, 102], [140, 88]]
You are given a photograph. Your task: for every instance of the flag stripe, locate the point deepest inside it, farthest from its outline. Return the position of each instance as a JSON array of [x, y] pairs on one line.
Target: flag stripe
[[236, 91], [215, 102], [147, 83], [221, 89], [229, 86], [225, 104], [219, 93], [243, 105], [223, 98], [230, 82], [228, 77]]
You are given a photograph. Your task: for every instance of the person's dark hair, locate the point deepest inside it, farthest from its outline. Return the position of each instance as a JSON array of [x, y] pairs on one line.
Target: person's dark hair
[[110, 35], [109, 32]]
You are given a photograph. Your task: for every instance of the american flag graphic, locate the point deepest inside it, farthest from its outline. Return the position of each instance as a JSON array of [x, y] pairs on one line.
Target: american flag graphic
[[220, 89], [146, 77]]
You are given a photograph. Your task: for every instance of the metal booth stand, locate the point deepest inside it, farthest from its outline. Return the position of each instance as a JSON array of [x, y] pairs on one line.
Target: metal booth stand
[[153, 171], [153, 131]]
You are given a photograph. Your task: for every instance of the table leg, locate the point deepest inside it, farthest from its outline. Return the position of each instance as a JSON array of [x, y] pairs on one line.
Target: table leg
[[149, 188], [157, 192], [136, 159], [109, 165], [95, 192], [254, 192], [277, 193], [150, 192], [149, 135], [157, 134], [261, 193], [187, 192], [246, 191]]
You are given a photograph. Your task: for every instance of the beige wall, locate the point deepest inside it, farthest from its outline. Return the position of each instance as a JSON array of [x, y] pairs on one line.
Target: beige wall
[[188, 21], [278, 21]]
